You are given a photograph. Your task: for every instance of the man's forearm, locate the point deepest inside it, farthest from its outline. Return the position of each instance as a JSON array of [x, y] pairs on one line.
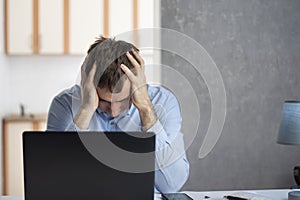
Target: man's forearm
[[83, 118], [170, 158], [173, 177], [147, 115]]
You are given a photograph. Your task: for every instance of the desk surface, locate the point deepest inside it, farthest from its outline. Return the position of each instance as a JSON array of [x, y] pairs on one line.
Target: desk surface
[[270, 194]]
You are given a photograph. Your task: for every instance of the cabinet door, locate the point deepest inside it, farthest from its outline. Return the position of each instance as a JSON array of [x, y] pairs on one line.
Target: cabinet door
[[51, 27], [13, 155], [86, 23], [14, 158], [146, 14], [19, 18], [120, 16]]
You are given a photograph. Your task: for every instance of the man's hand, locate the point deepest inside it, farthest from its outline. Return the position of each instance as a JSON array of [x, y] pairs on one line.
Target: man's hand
[[89, 98], [140, 97], [89, 95]]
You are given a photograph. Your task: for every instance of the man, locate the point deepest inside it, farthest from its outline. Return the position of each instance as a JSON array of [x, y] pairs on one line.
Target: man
[[114, 96]]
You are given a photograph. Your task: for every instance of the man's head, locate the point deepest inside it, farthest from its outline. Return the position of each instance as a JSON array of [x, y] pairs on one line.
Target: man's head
[[108, 54], [113, 86]]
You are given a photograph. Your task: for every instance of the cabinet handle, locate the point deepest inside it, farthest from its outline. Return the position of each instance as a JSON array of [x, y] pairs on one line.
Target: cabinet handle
[[31, 41], [40, 42]]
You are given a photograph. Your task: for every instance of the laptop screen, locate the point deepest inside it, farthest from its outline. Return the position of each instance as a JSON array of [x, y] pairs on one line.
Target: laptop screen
[[76, 166]]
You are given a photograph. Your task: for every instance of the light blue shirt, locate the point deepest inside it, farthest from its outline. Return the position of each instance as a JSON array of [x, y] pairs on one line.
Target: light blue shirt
[[171, 162]]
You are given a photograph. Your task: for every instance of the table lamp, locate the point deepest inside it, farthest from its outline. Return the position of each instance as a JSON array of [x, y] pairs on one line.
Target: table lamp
[[289, 134]]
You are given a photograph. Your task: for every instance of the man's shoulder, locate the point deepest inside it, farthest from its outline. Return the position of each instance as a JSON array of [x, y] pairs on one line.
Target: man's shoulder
[[160, 92], [69, 93]]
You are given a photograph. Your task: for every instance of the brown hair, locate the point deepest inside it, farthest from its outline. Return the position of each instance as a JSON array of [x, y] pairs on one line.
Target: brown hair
[[108, 54]]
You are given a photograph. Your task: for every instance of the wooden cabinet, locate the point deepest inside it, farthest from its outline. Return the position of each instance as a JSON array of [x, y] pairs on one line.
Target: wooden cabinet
[[13, 127], [50, 27], [34, 27], [19, 26], [86, 22], [56, 27]]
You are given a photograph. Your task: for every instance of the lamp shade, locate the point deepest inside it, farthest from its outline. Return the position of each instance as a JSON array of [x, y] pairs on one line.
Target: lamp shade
[[289, 131]]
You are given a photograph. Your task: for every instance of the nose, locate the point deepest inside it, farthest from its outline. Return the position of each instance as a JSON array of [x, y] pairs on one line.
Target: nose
[[114, 110], [113, 113]]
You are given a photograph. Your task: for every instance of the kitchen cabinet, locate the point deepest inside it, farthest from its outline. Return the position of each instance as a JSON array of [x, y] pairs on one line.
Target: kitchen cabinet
[[62, 27], [19, 25], [86, 23], [13, 127]]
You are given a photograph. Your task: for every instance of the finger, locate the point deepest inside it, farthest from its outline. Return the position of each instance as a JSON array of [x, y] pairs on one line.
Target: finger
[[83, 66], [132, 60], [138, 57], [83, 74], [92, 73], [127, 71]]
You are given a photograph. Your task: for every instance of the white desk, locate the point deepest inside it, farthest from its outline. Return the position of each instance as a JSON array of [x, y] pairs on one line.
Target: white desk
[[272, 194]]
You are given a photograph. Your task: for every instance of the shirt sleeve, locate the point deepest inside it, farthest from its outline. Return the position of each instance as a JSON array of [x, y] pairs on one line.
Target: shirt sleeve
[[60, 116], [172, 166]]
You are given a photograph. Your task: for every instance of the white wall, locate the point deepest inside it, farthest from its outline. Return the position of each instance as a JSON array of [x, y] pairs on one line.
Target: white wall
[[35, 80]]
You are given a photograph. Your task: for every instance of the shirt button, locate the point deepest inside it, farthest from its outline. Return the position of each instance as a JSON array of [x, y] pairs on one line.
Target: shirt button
[[112, 123]]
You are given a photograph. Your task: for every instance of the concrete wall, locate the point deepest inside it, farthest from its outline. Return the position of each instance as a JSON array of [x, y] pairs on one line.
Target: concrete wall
[[255, 45]]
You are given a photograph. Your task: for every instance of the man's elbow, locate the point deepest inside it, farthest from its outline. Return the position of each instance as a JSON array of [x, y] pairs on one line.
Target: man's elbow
[[177, 184]]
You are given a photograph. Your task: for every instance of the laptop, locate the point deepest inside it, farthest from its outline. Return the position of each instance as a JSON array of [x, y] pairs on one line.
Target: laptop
[[88, 165]]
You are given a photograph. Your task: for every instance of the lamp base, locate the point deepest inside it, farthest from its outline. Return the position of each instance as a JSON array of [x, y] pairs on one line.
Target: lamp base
[[294, 195]]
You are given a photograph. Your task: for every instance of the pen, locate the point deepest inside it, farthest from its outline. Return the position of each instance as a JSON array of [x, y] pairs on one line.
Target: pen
[[234, 198]]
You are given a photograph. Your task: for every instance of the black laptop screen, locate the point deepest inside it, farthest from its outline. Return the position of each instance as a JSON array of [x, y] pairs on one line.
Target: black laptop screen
[[58, 166]]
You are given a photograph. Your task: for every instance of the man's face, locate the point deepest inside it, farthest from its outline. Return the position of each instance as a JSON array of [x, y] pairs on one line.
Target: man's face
[[114, 103]]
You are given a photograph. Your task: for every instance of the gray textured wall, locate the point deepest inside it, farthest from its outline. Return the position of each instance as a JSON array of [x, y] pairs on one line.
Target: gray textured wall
[[256, 46]]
